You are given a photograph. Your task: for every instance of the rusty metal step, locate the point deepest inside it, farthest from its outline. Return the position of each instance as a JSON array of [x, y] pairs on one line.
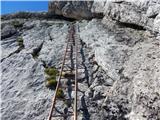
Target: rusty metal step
[[63, 115]]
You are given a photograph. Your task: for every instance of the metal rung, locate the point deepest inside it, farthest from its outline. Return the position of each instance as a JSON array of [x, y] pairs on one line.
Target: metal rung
[[65, 87], [68, 70], [71, 70], [63, 115]]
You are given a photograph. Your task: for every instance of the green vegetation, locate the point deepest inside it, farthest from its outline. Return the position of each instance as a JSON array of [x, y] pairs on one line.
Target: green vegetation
[[51, 71], [51, 83], [20, 42], [17, 24], [60, 93], [51, 80]]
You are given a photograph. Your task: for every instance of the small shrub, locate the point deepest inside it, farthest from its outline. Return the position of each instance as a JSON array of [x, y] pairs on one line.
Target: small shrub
[[20, 41], [52, 77], [60, 93], [17, 24], [51, 71], [51, 83]]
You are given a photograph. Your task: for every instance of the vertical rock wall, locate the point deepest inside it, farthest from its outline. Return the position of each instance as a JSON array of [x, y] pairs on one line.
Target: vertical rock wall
[[72, 9]]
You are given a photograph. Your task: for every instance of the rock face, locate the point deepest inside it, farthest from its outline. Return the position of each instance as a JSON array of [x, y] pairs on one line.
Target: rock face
[[157, 23], [8, 31], [130, 60], [36, 45], [119, 57], [72, 9], [142, 13], [23, 79]]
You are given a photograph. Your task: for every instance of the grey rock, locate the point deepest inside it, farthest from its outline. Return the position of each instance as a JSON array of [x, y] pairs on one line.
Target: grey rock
[[22, 87], [81, 76], [28, 25], [126, 84], [98, 7], [156, 25], [141, 13], [71, 9], [108, 82], [89, 93], [129, 65], [98, 92], [106, 53], [26, 15], [141, 70], [23, 79], [153, 11], [8, 31], [114, 111], [54, 56], [8, 46]]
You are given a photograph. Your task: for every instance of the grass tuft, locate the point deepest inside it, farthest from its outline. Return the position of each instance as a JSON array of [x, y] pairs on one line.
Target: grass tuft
[[17, 24], [60, 93], [51, 83], [20, 42], [51, 71]]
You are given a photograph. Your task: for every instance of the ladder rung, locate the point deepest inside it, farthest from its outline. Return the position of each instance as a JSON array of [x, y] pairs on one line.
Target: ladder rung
[[65, 87], [73, 71], [63, 115]]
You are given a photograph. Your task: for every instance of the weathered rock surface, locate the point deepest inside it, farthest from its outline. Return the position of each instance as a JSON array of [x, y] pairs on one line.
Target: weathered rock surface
[[135, 12], [72, 9], [33, 15], [23, 90], [138, 13], [119, 60], [157, 23], [129, 57], [24, 95], [8, 31], [143, 71], [98, 7]]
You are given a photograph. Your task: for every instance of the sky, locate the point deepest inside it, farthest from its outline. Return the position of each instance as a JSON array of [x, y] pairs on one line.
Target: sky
[[15, 6]]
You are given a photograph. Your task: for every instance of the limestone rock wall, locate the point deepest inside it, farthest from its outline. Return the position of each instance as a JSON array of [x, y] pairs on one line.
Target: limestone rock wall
[[142, 13], [139, 13], [120, 52], [130, 58], [72, 9]]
